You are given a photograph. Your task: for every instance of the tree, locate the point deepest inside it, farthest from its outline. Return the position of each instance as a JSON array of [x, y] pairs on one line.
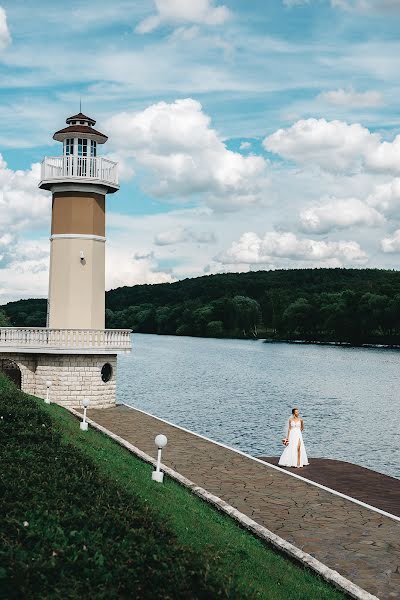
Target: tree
[[215, 329], [267, 310], [146, 319], [248, 315], [4, 320], [300, 316], [375, 313]]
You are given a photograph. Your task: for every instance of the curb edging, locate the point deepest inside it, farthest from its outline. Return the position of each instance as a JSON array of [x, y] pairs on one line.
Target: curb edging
[[328, 574]]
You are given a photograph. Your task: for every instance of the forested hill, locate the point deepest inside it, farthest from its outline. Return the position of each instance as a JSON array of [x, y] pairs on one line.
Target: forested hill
[[354, 305]]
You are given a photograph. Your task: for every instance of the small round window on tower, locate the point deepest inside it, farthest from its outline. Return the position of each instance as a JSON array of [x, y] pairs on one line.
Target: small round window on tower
[[106, 372]]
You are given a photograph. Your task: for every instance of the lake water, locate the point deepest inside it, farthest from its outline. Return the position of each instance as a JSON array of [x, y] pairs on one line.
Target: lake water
[[241, 393]]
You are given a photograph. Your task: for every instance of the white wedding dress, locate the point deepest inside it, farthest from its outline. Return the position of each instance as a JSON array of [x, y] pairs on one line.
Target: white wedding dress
[[289, 456]]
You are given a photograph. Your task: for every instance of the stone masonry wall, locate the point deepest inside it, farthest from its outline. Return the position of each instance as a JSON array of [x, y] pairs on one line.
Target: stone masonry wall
[[73, 377]]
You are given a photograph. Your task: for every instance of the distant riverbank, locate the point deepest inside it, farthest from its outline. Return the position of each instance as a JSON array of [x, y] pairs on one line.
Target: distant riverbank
[[353, 306], [331, 343]]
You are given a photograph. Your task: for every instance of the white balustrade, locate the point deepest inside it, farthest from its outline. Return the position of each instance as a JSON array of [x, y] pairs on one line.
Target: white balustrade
[[42, 339], [81, 167]]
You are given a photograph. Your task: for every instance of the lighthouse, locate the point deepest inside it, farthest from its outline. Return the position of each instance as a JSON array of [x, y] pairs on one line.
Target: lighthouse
[[74, 356], [79, 181]]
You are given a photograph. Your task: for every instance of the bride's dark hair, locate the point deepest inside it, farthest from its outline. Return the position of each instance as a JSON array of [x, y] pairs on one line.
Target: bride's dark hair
[[293, 409]]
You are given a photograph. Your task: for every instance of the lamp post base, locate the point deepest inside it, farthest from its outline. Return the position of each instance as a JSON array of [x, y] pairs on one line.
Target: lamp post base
[[157, 476], [83, 426]]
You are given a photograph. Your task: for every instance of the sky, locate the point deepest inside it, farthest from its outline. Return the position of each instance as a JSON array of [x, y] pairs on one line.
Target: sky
[[249, 135]]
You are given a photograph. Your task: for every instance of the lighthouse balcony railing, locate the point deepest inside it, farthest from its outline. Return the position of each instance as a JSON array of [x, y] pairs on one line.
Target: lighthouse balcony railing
[[69, 341], [79, 167]]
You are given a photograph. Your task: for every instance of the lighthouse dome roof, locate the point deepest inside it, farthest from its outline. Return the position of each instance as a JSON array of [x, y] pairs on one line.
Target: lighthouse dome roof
[[80, 119], [83, 131], [82, 126]]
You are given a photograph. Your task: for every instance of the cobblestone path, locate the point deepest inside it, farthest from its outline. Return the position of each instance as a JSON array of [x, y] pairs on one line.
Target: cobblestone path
[[360, 544], [376, 489]]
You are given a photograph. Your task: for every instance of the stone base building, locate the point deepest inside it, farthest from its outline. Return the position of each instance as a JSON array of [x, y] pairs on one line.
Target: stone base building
[[78, 363], [72, 376]]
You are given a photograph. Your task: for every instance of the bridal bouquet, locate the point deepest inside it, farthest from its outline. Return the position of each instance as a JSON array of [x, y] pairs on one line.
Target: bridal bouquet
[[285, 441]]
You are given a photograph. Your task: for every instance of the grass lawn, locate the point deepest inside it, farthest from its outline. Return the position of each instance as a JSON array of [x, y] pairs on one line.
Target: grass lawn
[[99, 526]]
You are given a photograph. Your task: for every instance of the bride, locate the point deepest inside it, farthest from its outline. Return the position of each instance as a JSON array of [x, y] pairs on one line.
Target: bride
[[294, 455]]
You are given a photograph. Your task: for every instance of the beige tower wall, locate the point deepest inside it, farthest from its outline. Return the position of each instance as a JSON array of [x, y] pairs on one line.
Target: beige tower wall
[[77, 287], [78, 212]]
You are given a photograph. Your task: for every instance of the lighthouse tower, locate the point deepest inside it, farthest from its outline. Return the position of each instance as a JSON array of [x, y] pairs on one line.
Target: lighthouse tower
[[74, 356], [79, 181]]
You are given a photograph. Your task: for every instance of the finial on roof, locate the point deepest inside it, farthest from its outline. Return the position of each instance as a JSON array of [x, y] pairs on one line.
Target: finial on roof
[[80, 104]]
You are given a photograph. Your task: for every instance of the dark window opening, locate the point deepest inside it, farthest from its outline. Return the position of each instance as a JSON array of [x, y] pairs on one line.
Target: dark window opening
[[69, 146], [82, 147], [106, 372], [11, 370]]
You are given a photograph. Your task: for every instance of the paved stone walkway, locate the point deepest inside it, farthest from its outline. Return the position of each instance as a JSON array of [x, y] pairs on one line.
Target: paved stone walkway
[[358, 482], [360, 544]]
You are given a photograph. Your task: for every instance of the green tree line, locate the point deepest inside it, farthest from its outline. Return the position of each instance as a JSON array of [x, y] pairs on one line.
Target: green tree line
[[344, 305]]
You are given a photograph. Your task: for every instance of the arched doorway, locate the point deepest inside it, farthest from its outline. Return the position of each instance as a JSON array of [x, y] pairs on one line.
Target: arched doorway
[[11, 370]]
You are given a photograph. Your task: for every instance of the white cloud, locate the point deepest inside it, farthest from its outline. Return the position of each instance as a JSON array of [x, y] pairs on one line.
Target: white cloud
[[183, 234], [384, 157], [251, 249], [362, 6], [339, 214], [26, 273], [332, 145], [172, 236], [367, 6], [5, 37], [386, 198], [7, 243], [185, 157], [178, 12], [351, 98], [124, 267], [245, 146], [23, 208], [391, 244], [22, 205], [291, 3], [336, 146]]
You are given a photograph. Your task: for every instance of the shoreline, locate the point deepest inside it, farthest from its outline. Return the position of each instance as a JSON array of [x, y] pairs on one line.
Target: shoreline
[[327, 343], [276, 340]]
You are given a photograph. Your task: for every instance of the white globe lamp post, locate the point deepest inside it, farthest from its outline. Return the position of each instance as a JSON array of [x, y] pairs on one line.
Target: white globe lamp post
[[160, 442], [84, 424], [48, 386]]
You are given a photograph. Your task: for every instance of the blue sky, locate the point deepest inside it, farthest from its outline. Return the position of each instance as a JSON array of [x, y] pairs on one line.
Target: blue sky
[[250, 135]]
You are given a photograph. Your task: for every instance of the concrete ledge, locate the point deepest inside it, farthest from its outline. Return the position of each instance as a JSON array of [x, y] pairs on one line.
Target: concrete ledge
[[92, 350], [333, 577]]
